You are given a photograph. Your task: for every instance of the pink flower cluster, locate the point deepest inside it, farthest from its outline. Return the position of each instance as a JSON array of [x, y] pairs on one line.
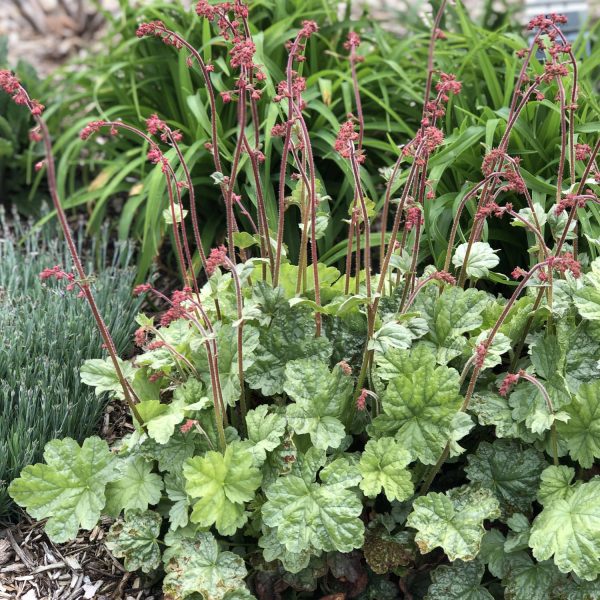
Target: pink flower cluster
[[414, 217], [546, 23], [91, 128], [496, 160], [215, 259], [57, 273], [353, 41], [155, 125], [344, 142], [142, 288], [177, 309], [361, 401], [493, 208], [158, 29], [444, 276], [571, 201], [345, 367], [582, 151], [510, 380], [11, 85]]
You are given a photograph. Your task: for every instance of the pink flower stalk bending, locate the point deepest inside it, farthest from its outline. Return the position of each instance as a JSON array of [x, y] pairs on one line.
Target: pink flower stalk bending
[[305, 166], [12, 85]]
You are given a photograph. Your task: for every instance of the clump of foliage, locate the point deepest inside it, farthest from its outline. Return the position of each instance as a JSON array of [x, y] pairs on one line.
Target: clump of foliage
[[45, 336], [394, 427]]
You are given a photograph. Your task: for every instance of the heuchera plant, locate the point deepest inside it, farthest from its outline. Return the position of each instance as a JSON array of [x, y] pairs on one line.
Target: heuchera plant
[[297, 427]]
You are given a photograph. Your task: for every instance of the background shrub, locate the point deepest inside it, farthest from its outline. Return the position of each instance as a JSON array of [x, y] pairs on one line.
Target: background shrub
[[45, 336], [135, 78], [17, 153]]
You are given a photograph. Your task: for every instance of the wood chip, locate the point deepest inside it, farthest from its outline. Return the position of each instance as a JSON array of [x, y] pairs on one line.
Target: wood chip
[[5, 553]]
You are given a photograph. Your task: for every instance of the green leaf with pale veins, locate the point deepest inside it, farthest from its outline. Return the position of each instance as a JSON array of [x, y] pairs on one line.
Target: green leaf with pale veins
[[69, 489], [222, 483], [161, 419], [136, 540], [493, 409], [556, 484], [419, 405], [100, 373], [179, 510], [510, 471], [321, 397], [449, 316], [459, 581], [289, 336], [582, 430], [265, 431], [529, 580], [481, 259], [587, 298], [197, 566], [453, 521], [383, 465], [308, 515], [568, 529], [273, 550], [138, 487]]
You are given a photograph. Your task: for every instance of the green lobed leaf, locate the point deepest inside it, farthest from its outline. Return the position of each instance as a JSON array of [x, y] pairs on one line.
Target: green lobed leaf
[[509, 470], [136, 540], [556, 484], [449, 316], [529, 580], [459, 581], [568, 529], [383, 466], [419, 405], [587, 298], [321, 398], [481, 259], [582, 430], [137, 488], [289, 336], [222, 483], [100, 373], [197, 566], [308, 515], [69, 490], [453, 521], [265, 431]]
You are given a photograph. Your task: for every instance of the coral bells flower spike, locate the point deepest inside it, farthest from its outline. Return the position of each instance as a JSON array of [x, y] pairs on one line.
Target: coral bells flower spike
[[361, 401], [90, 129], [141, 336], [445, 277], [11, 84], [353, 41], [154, 125], [345, 139], [345, 367], [242, 54], [308, 28], [216, 259], [510, 380], [582, 151], [142, 288], [448, 84], [188, 425]]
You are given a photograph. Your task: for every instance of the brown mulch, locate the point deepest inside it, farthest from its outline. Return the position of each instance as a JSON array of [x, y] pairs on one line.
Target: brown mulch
[[34, 568]]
